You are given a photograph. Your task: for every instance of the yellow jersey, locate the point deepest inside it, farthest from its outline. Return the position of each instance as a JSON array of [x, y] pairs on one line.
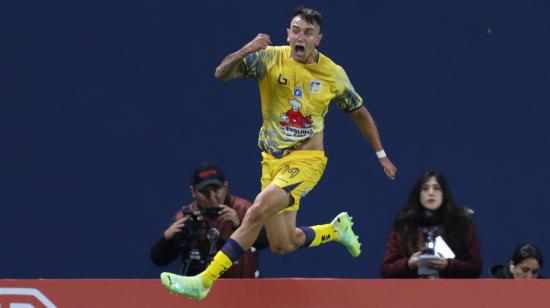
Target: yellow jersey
[[295, 96]]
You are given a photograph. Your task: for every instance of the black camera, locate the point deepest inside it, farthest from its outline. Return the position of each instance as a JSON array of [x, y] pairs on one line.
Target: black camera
[[194, 226], [196, 230], [427, 255], [212, 212]]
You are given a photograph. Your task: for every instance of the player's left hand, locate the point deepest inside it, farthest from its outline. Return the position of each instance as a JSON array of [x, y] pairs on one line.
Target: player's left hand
[[229, 214], [388, 166]]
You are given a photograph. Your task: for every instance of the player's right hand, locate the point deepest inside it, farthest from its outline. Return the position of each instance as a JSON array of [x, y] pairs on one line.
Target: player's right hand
[[261, 41], [389, 168]]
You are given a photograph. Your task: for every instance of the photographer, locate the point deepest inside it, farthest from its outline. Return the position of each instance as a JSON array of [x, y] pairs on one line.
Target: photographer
[[201, 228], [431, 213]]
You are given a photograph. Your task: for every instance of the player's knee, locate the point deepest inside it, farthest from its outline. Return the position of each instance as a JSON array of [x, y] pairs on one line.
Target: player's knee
[[283, 245], [256, 215], [280, 248]]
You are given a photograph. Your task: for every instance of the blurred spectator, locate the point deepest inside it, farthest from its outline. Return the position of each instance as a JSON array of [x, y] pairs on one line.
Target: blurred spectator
[[201, 228], [431, 209], [525, 263]]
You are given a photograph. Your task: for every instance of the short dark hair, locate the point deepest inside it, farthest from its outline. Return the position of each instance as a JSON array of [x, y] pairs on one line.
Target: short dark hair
[[526, 251], [310, 15]]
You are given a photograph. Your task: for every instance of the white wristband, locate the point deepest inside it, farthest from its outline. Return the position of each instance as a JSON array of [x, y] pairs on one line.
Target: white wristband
[[381, 154]]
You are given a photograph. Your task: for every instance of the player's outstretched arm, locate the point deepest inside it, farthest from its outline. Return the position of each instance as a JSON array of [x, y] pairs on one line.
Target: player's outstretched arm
[[231, 66], [367, 126]]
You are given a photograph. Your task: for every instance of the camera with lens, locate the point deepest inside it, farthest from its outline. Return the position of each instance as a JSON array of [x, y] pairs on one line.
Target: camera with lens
[[195, 226], [427, 255], [196, 230]]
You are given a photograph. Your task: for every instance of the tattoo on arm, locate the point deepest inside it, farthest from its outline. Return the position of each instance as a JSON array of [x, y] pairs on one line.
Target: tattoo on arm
[[231, 67]]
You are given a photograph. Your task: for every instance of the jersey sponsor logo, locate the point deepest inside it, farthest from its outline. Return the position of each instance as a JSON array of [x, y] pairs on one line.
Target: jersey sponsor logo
[[315, 87], [298, 92], [294, 123], [282, 80]]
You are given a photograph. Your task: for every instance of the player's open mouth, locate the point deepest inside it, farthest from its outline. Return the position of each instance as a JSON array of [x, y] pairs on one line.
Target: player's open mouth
[[300, 50]]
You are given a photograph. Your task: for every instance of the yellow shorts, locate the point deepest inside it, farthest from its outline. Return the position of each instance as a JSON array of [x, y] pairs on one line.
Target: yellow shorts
[[297, 173]]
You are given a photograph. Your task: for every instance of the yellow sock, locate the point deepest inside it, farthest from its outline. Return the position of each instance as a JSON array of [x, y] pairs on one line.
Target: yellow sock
[[217, 267], [323, 234]]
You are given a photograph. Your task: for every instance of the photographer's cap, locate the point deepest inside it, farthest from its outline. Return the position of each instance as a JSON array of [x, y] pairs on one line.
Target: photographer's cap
[[207, 174]]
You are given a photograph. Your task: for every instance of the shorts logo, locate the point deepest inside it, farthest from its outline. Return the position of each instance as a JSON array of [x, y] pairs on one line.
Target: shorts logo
[[315, 87], [292, 171]]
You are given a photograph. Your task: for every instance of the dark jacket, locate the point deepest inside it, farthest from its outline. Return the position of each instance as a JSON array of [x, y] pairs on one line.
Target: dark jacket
[[467, 264], [165, 251], [500, 271]]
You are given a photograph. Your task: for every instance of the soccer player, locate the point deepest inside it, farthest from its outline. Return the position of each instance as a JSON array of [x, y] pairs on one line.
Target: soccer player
[[296, 83]]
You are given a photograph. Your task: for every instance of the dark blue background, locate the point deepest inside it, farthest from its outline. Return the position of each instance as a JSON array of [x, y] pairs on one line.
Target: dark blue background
[[106, 107]]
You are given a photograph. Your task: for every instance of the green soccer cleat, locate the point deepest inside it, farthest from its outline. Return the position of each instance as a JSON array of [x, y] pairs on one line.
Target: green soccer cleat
[[190, 286], [343, 223]]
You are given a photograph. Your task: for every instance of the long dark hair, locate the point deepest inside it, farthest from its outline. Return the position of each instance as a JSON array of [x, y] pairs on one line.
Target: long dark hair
[[454, 220], [526, 251]]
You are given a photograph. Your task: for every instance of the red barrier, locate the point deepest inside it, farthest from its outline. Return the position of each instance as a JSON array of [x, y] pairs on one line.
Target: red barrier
[[288, 293]]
